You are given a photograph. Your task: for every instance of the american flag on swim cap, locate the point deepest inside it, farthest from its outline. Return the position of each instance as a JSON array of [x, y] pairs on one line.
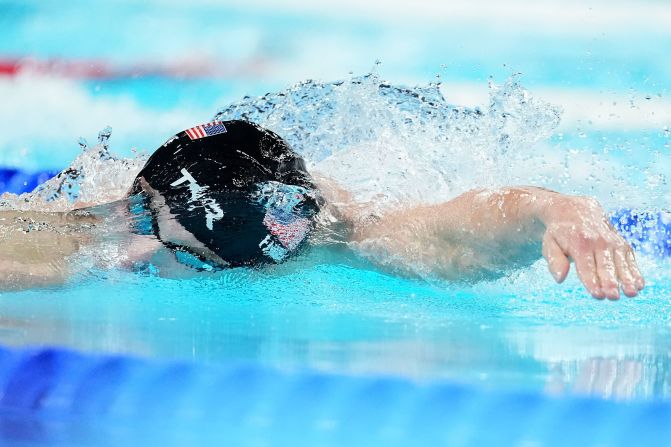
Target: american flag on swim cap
[[289, 229], [206, 130]]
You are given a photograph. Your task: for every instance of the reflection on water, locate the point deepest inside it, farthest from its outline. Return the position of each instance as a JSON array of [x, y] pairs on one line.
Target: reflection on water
[[336, 318], [608, 377], [625, 364], [614, 378]]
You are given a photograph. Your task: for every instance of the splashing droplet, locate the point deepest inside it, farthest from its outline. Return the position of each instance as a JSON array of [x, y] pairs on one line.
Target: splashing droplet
[[83, 144], [104, 136]]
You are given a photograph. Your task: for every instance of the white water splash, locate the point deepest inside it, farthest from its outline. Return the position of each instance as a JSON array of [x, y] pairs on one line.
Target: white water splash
[[393, 145], [400, 144], [96, 176]]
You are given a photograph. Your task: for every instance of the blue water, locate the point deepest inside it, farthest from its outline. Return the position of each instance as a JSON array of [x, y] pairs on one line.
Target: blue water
[[334, 351], [332, 313], [62, 398]]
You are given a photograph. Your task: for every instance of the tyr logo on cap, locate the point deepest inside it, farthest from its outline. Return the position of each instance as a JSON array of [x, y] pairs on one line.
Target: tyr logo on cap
[[198, 194]]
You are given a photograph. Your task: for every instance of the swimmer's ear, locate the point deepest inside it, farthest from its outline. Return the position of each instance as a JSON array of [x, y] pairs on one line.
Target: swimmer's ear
[[140, 185], [145, 186]]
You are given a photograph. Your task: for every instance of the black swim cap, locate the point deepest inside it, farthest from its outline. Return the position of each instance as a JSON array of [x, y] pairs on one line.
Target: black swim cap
[[237, 188]]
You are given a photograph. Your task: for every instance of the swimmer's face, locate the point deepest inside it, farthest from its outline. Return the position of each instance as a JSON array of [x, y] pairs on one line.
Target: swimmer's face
[[171, 230]]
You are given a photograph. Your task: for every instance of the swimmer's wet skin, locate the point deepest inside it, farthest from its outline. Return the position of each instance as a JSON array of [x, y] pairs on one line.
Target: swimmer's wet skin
[[228, 194]]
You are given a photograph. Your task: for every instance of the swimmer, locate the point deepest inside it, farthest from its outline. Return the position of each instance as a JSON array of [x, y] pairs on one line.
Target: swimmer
[[230, 194]]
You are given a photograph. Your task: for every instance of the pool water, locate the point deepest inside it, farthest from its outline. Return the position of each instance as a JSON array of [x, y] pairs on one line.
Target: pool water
[[589, 115], [327, 314]]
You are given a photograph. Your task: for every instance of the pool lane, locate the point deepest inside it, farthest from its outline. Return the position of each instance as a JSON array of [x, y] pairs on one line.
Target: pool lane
[[60, 397]]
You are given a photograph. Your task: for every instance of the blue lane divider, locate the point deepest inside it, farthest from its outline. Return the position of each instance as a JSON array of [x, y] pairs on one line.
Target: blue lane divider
[[647, 231], [59, 397], [17, 181]]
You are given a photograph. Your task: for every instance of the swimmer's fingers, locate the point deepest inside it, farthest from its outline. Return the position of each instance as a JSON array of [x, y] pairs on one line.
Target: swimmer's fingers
[[585, 266], [625, 273], [633, 266], [627, 270], [582, 256], [618, 265], [606, 270], [557, 260]]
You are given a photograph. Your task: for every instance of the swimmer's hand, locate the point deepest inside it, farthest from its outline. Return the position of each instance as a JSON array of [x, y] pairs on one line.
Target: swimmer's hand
[[483, 234], [576, 228]]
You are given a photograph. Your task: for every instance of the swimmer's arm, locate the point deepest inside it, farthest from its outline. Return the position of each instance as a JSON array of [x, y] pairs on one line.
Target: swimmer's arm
[[16, 275], [485, 232], [35, 246]]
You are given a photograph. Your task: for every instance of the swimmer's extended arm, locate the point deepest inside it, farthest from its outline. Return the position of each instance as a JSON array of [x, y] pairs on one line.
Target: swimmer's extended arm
[[35, 246], [483, 233]]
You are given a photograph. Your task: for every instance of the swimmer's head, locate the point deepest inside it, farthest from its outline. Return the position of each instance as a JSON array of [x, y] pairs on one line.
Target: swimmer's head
[[229, 190]]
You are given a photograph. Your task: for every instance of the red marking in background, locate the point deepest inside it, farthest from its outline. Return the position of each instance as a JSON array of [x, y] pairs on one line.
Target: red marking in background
[[8, 68], [98, 69]]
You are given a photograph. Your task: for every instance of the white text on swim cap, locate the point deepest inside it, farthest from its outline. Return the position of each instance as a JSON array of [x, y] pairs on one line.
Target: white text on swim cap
[[198, 194]]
